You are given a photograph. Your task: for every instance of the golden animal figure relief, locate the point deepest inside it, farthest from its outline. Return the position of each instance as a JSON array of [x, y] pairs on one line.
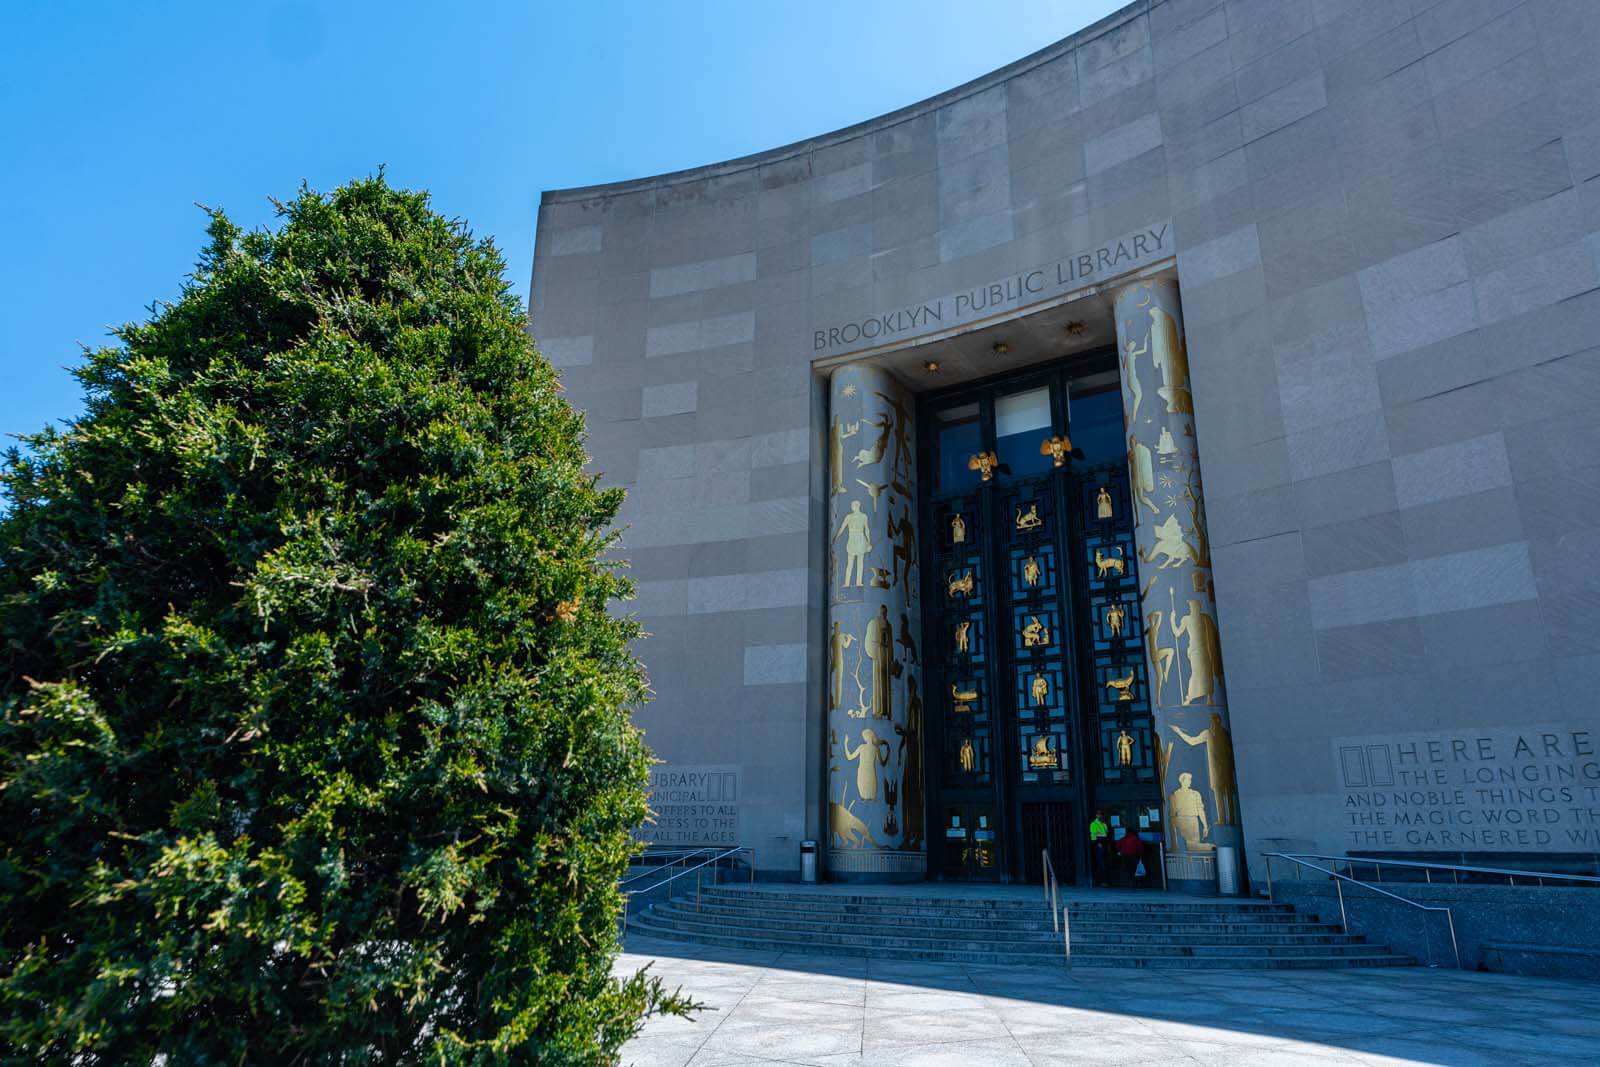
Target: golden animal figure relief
[[1219, 763], [1030, 571], [880, 578], [869, 755], [963, 629], [1116, 615], [961, 585], [963, 698], [840, 431], [1040, 690], [968, 756], [1123, 686], [1170, 546], [873, 453], [1057, 448], [1187, 813], [1105, 565], [984, 463], [958, 529], [1043, 757], [857, 532], [1102, 504], [1203, 650], [1035, 634], [1125, 749], [838, 641], [1029, 520], [848, 829], [874, 491]]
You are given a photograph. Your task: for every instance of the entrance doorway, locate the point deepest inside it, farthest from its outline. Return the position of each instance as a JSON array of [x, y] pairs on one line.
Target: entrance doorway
[[1032, 626]]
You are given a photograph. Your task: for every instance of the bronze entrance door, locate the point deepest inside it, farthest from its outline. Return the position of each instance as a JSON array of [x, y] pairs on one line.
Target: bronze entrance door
[[1032, 633]]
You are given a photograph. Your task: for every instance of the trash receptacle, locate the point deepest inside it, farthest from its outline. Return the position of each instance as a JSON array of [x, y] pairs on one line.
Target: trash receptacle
[[808, 861], [1227, 871]]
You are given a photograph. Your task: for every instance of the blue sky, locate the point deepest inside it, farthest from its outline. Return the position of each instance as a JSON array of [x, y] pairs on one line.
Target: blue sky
[[119, 117]]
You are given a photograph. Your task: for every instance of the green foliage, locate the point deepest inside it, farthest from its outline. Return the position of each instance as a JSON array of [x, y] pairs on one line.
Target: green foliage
[[314, 732]]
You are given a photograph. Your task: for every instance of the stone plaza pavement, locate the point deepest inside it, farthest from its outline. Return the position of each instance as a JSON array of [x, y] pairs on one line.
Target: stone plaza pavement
[[781, 1008]]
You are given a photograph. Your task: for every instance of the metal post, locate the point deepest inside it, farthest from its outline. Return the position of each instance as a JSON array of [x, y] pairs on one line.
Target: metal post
[[1066, 932], [1427, 873], [1270, 898], [1161, 857], [1451, 919], [1344, 920]]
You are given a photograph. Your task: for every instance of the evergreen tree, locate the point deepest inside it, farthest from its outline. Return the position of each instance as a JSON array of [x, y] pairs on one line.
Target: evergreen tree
[[314, 731]]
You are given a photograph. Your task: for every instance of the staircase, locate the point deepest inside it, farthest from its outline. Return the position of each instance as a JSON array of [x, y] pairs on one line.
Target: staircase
[[1162, 931]]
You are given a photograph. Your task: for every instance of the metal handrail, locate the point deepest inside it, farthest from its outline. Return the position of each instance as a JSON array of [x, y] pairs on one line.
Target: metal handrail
[[1051, 885], [1302, 860], [682, 856], [695, 870], [1456, 868]]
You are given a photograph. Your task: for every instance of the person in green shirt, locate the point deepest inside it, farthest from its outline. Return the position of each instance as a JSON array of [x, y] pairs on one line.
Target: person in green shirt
[[1098, 846]]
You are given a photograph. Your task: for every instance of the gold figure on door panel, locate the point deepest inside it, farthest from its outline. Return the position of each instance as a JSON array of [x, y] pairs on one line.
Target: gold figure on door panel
[[1123, 686], [1030, 571], [1125, 749], [958, 529], [960, 584], [1102, 504], [1042, 757], [963, 629], [1029, 520], [1040, 690], [1116, 616], [1035, 634], [968, 756], [963, 697]]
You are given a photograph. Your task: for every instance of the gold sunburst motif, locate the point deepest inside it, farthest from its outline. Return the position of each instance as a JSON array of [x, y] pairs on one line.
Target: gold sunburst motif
[[848, 390]]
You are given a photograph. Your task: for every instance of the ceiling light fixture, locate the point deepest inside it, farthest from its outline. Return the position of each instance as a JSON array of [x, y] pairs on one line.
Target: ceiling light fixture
[[931, 366], [1075, 328], [1001, 348]]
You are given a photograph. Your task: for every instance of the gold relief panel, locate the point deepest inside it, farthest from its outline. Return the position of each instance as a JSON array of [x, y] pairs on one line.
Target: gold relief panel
[[958, 529], [1123, 686], [1029, 520], [1040, 690], [1030, 572], [960, 585], [1109, 566], [1035, 634]]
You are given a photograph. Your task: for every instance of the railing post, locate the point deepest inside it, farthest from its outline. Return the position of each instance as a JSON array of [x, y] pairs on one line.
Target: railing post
[[1066, 932], [1270, 898], [1451, 919], [1161, 857], [1344, 919]]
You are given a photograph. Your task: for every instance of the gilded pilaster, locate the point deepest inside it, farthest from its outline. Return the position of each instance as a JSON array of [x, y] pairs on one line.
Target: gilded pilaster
[[873, 701], [1183, 651]]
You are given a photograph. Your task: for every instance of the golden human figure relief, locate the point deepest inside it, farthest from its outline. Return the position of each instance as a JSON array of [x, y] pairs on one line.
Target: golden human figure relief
[[1105, 566], [1040, 690], [874, 491], [1123, 686], [868, 756], [1125, 749], [1130, 370], [1202, 648], [968, 755], [1030, 571], [873, 453], [962, 698], [1116, 615], [963, 629], [837, 436], [1171, 358], [911, 765], [903, 545], [857, 532], [1102, 504], [1043, 757], [1029, 520], [960, 585], [1141, 475], [902, 432], [1035, 634], [984, 463], [1186, 812], [1218, 744], [838, 641], [906, 640], [1159, 655], [1057, 448], [958, 529], [878, 644], [1170, 548]]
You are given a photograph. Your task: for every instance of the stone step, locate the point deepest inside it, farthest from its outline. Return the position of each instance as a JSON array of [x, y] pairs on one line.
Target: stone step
[[930, 955], [1140, 940], [1376, 958], [837, 901], [1218, 928], [1017, 929], [974, 940]]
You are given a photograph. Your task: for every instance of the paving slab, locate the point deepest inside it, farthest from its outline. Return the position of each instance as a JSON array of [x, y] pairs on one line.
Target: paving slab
[[786, 1008]]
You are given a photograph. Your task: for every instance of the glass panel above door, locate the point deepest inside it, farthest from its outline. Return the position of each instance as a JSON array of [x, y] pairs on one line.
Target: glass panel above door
[[960, 438], [1021, 423]]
